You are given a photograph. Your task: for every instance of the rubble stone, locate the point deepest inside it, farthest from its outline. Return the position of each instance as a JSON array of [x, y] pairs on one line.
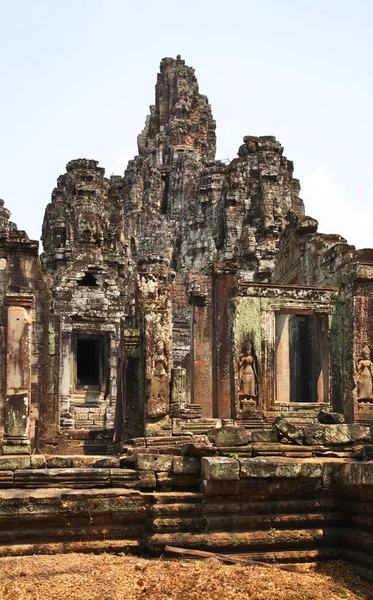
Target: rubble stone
[[335, 434], [289, 431]]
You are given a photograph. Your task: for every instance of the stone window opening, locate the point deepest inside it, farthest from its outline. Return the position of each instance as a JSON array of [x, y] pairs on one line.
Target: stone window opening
[[301, 358], [89, 280]]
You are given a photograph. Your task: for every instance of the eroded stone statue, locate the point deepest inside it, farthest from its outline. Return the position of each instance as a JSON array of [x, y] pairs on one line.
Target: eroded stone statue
[[159, 397], [364, 375], [248, 377]]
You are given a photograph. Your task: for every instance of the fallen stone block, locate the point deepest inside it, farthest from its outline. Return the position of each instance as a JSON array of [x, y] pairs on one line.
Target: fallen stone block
[[265, 435], [363, 453], [336, 435], [330, 418], [288, 430]]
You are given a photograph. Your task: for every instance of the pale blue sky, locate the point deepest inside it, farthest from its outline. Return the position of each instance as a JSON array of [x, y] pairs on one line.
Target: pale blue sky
[[77, 77]]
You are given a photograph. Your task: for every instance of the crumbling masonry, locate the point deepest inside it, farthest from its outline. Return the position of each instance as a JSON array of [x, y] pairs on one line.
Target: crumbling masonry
[[186, 310]]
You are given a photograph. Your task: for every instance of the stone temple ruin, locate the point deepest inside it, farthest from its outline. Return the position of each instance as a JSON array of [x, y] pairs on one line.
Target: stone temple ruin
[[187, 358]]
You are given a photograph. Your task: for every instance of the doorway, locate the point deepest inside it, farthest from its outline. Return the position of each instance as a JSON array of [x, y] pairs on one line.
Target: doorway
[[87, 362]]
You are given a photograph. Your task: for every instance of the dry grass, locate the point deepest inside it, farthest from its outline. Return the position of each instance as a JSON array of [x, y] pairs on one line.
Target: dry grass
[[108, 577]]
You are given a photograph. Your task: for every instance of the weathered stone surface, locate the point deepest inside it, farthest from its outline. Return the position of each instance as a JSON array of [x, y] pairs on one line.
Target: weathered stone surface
[[199, 450], [289, 431], [10, 463], [329, 418], [187, 465], [225, 469], [265, 435], [153, 462], [38, 461], [146, 480], [335, 434], [363, 453], [261, 467], [229, 436]]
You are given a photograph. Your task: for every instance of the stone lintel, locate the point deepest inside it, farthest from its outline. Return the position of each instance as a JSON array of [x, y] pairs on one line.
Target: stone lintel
[[24, 299]]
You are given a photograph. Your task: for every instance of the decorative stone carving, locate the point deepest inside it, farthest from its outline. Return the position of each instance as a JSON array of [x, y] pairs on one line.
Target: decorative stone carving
[[159, 391], [364, 375], [178, 385], [248, 378]]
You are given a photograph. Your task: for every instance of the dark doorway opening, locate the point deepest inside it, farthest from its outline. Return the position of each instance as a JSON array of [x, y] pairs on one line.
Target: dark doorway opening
[[87, 356], [301, 358]]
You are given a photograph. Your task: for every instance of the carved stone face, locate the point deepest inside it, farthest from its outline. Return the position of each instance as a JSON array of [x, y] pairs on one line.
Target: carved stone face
[[160, 347], [365, 353]]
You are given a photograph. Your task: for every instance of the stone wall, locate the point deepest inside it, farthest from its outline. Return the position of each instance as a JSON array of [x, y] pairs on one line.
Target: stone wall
[[273, 509]]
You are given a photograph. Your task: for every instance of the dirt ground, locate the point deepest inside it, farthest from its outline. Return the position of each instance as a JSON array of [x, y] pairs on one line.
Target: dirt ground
[[109, 577]]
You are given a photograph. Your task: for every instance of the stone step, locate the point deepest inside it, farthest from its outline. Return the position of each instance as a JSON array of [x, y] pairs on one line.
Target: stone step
[[226, 541], [74, 478], [239, 523], [195, 504]]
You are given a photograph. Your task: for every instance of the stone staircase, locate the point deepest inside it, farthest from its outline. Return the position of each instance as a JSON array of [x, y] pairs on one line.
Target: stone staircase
[[88, 407]]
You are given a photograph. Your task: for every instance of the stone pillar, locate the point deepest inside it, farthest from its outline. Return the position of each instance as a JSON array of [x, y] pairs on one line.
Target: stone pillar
[[66, 374], [178, 387], [202, 392], [282, 359], [18, 374], [157, 330], [224, 280]]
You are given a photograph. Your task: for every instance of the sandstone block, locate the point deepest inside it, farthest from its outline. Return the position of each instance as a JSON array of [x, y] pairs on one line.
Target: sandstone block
[[220, 468], [11, 463], [16, 449], [38, 461], [363, 453], [289, 431], [186, 465], [198, 449], [220, 488], [263, 468], [59, 462], [229, 436], [153, 462], [265, 435], [335, 435], [330, 418], [146, 479]]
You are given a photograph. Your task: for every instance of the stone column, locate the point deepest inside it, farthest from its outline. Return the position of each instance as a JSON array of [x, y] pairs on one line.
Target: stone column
[[18, 374], [65, 372], [282, 359], [224, 280], [157, 328], [201, 350]]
